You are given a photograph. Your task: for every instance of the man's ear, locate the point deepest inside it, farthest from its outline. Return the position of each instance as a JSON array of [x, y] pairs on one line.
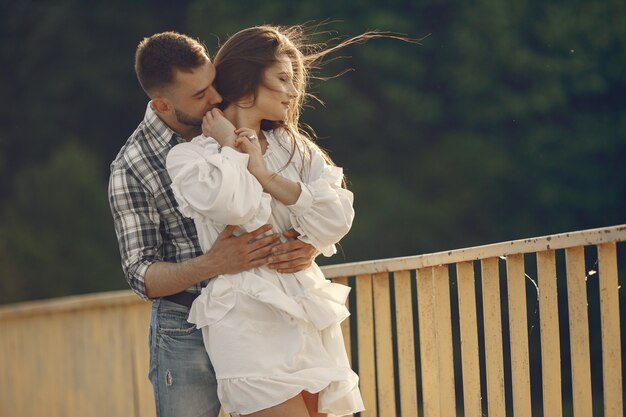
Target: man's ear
[[161, 105]]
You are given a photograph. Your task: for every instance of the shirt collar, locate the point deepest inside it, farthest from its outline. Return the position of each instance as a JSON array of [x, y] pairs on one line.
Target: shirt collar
[[160, 131]]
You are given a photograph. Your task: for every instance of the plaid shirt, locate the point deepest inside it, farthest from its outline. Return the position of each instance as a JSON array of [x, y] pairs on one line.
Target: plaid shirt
[[148, 225]]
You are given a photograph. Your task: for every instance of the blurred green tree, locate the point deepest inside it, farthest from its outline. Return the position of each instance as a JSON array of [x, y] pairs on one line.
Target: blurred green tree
[[507, 122], [55, 237]]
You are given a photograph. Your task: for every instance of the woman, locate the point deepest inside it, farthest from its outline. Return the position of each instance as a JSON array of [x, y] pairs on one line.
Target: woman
[[273, 338]]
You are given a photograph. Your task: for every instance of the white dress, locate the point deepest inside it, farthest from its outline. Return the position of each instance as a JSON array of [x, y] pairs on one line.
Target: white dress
[[269, 335]]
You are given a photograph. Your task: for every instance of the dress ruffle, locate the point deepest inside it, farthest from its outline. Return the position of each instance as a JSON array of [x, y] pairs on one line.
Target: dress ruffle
[[338, 390], [321, 303]]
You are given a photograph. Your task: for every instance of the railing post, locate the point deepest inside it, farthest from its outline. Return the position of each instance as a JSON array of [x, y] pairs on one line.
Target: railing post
[[492, 318], [550, 342], [518, 329], [406, 344], [579, 331], [443, 323], [469, 339], [384, 350], [365, 331], [611, 351], [429, 355]]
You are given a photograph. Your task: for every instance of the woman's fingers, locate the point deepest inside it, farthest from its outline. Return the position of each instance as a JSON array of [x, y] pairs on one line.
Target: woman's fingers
[[245, 130], [242, 142], [246, 144]]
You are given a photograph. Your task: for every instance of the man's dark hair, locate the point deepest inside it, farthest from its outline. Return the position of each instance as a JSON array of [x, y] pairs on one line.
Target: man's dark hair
[[159, 55]]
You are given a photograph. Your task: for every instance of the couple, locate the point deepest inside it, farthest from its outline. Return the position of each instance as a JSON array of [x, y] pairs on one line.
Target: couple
[[220, 213]]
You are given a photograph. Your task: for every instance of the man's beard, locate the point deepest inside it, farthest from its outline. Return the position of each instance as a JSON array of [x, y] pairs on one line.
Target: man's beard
[[185, 119]]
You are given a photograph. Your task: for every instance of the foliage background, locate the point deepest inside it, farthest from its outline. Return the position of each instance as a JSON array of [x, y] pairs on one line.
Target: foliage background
[[509, 121]]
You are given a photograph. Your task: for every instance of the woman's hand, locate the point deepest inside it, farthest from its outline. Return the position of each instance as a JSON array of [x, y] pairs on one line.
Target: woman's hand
[[282, 189], [248, 142], [215, 125]]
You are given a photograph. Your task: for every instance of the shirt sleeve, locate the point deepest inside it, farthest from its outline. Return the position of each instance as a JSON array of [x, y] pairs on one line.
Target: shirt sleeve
[[323, 213], [214, 186], [136, 226]]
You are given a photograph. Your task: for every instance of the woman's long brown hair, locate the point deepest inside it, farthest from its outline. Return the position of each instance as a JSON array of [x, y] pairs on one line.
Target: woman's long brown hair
[[241, 62]]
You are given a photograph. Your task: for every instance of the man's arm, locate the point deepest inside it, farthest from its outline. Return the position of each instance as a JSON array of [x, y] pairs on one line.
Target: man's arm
[[228, 255], [137, 227]]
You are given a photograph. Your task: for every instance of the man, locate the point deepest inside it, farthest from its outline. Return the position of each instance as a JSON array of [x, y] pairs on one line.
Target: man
[[161, 255]]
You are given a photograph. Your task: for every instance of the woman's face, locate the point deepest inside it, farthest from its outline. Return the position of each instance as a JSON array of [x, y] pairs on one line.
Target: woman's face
[[277, 92]]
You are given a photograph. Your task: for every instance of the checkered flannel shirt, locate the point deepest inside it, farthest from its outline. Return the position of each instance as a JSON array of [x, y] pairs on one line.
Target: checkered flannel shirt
[[148, 225]]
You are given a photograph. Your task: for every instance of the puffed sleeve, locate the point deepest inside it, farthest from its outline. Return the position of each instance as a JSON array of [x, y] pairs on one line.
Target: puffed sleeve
[[323, 213], [213, 185]]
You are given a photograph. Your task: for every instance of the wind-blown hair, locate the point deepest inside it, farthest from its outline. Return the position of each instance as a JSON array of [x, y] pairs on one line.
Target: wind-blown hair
[[241, 61]]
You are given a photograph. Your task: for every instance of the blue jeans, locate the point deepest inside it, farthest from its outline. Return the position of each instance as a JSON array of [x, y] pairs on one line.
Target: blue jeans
[[180, 370]]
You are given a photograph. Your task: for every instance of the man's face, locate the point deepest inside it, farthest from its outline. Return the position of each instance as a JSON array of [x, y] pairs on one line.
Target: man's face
[[192, 94]]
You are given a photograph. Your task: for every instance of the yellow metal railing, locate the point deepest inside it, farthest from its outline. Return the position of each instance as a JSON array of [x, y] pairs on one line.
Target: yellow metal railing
[[430, 335]]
